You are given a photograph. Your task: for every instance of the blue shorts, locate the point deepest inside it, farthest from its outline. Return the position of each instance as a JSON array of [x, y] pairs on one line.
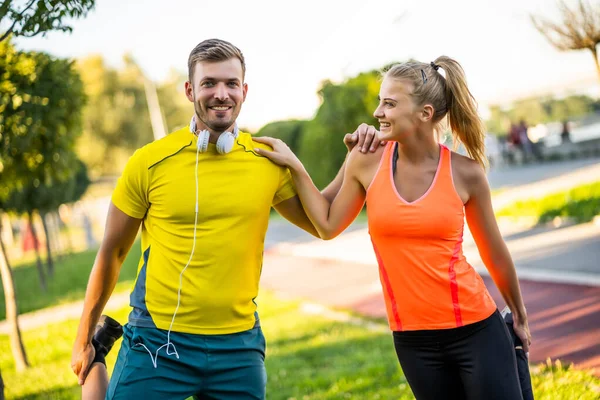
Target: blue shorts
[[209, 366]]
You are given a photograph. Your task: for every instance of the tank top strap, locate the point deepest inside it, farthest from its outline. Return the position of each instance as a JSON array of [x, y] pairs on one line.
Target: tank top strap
[[388, 154], [445, 180], [446, 155]]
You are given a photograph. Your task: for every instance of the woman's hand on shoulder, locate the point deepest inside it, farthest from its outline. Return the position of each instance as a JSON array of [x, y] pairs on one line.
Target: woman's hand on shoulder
[[281, 153], [365, 138]]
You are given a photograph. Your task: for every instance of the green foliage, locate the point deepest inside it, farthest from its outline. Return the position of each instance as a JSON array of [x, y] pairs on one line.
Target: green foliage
[[40, 118], [581, 203], [48, 197], [344, 106], [81, 182], [288, 131], [40, 16], [116, 120]]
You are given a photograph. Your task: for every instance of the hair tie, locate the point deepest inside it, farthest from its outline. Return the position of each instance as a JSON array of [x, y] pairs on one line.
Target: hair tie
[[434, 66]]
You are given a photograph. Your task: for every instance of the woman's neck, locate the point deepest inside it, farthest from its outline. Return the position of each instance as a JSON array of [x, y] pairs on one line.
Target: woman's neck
[[419, 148]]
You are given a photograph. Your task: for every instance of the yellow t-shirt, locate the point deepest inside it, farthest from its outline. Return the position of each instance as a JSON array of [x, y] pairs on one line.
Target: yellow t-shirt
[[235, 195]]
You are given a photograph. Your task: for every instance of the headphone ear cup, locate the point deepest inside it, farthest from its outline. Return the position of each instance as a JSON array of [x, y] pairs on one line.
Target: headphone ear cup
[[225, 143], [203, 137], [193, 125]]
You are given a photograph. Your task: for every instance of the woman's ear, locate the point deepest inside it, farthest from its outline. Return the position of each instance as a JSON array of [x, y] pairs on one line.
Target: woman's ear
[[427, 113]]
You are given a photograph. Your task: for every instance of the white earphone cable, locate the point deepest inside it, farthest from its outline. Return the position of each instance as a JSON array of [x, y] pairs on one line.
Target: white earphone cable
[[169, 343]]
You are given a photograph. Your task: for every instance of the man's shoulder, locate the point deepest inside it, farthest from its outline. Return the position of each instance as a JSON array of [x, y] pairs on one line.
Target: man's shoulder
[[246, 142], [244, 139], [160, 149]]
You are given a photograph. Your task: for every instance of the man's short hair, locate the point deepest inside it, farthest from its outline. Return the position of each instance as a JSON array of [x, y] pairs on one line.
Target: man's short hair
[[214, 50]]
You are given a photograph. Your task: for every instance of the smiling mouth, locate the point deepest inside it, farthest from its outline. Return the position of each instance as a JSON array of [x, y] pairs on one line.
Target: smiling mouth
[[383, 125], [220, 108]]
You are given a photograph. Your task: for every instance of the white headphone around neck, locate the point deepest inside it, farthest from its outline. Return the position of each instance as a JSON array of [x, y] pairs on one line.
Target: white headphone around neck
[[224, 142]]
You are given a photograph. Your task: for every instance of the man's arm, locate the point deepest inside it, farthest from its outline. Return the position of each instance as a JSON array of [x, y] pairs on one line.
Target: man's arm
[[292, 210], [119, 235]]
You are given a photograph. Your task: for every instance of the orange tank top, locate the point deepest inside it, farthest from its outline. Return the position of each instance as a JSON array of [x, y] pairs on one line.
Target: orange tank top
[[427, 282]]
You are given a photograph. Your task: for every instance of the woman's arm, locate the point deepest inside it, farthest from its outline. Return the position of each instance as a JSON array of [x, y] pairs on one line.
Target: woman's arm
[[330, 219], [493, 250]]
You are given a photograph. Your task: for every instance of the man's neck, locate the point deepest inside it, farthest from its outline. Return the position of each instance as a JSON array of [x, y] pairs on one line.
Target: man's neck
[[214, 135]]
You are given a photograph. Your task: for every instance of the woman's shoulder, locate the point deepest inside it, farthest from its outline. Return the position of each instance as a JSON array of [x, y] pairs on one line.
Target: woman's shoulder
[[467, 170], [361, 160]]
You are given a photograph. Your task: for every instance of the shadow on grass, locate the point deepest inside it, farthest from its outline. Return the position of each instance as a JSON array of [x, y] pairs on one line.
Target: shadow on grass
[[68, 283]]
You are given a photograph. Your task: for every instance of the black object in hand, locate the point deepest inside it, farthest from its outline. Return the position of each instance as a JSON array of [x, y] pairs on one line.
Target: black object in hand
[[522, 359]]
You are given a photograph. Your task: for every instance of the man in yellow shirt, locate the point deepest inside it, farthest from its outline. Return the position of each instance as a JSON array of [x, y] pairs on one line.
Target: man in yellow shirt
[[202, 197]]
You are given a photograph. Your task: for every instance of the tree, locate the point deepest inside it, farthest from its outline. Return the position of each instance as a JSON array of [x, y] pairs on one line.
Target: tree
[[44, 118], [116, 120], [40, 117], [344, 106], [36, 17], [40, 16], [578, 30]]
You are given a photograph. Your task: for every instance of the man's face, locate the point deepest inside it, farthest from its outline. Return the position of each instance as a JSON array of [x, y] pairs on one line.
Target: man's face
[[217, 91]]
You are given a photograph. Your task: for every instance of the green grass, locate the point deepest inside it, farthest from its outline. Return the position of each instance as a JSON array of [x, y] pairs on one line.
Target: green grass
[[68, 283], [581, 203], [308, 358]]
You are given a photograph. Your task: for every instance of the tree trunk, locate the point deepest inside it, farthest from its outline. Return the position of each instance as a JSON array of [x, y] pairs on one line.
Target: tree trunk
[[595, 54], [49, 261], [36, 246], [12, 318]]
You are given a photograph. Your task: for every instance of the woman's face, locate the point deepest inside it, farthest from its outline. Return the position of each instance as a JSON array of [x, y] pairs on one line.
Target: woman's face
[[396, 112]]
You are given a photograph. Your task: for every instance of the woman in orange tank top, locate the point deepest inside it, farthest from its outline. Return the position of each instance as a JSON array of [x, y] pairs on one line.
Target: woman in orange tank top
[[450, 339]]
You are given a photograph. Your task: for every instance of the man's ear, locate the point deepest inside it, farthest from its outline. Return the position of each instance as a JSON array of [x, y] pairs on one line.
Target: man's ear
[[245, 88], [189, 91]]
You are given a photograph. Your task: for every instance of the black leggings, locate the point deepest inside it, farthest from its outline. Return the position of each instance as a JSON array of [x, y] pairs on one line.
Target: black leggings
[[475, 361]]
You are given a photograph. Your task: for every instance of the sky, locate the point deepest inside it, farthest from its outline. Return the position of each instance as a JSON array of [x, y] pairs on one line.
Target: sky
[[291, 47]]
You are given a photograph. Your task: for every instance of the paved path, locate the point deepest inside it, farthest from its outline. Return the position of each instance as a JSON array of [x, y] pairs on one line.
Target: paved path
[[506, 177]]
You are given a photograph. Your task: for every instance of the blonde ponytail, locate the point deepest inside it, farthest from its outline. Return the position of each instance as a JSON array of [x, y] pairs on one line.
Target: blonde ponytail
[[465, 123]]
